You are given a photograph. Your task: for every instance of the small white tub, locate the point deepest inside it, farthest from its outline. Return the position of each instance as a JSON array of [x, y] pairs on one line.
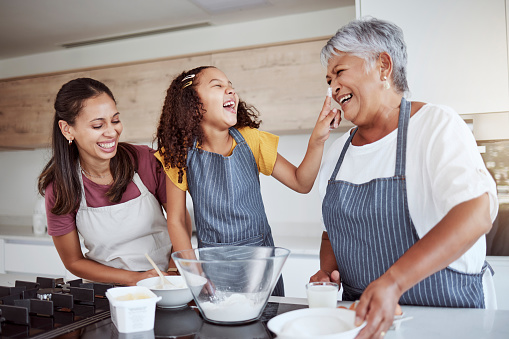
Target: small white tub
[[132, 308]]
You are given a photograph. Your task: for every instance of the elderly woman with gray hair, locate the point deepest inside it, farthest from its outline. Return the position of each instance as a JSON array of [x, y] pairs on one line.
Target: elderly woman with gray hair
[[407, 199]]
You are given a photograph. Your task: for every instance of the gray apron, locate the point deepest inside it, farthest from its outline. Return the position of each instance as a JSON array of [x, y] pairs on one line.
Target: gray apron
[[227, 202], [370, 228]]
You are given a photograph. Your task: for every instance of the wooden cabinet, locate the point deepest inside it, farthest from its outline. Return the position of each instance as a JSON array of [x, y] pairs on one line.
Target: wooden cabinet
[[457, 50], [286, 83]]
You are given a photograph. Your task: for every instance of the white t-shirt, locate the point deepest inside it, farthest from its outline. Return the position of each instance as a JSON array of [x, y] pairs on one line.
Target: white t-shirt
[[443, 169]]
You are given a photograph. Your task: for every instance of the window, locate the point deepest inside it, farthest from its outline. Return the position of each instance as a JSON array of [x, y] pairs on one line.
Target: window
[[496, 157]]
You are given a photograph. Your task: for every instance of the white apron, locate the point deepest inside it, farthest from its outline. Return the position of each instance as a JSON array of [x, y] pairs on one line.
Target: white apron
[[119, 235]]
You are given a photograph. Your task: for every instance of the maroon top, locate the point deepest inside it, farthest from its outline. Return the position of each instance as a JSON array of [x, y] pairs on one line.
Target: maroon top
[[150, 172]]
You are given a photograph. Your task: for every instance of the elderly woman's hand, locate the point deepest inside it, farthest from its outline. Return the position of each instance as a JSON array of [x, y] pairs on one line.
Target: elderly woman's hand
[[324, 276], [376, 306]]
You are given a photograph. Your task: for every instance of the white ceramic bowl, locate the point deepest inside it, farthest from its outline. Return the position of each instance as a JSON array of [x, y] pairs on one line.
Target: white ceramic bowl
[[316, 323], [172, 297]]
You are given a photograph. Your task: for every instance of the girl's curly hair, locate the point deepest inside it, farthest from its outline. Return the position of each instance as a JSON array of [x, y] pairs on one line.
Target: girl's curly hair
[[179, 125]]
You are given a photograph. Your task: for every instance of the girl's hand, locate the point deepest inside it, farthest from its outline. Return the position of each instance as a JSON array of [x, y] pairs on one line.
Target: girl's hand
[[327, 120], [302, 178], [377, 306]]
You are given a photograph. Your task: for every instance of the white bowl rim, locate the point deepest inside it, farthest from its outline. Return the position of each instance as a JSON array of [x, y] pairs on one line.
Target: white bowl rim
[[165, 289], [273, 324]]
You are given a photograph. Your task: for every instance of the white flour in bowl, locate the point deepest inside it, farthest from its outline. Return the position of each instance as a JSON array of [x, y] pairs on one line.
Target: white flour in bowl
[[235, 308]]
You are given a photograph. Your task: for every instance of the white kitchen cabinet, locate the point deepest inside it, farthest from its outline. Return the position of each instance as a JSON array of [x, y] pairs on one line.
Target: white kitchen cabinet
[[296, 273], [2, 256], [500, 265], [457, 50], [32, 257]]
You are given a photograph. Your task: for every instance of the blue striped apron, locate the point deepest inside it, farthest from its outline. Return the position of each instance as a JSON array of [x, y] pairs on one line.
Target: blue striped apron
[[227, 201], [370, 228]]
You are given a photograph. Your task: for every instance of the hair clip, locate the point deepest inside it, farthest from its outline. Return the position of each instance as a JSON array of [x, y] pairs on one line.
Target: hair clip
[[190, 82], [190, 76]]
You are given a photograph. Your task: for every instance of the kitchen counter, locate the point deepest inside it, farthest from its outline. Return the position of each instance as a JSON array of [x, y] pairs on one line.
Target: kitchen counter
[[439, 322], [22, 233], [427, 322]]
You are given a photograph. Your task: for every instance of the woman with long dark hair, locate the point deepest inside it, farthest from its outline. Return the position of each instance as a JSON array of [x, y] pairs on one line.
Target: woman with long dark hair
[[109, 192]]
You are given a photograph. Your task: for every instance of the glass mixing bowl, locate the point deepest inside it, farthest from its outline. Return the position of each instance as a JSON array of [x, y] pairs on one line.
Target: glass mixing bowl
[[231, 284]]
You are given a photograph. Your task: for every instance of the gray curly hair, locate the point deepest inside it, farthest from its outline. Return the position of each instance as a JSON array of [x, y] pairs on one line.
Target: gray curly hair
[[366, 38]]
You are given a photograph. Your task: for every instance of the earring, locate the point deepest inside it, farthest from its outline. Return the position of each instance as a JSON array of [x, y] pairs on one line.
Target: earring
[[70, 141], [387, 85]]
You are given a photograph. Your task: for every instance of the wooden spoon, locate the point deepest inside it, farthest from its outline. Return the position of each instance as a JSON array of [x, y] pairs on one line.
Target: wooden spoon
[[164, 281]]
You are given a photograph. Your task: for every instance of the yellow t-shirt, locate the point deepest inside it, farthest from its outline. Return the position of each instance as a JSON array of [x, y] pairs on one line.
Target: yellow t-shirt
[[262, 144]]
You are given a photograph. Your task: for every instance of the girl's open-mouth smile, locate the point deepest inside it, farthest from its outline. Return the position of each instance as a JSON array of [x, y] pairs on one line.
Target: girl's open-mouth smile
[[229, 105]]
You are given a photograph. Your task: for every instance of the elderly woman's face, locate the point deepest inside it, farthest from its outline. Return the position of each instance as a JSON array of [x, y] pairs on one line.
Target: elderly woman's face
[[352, 87]]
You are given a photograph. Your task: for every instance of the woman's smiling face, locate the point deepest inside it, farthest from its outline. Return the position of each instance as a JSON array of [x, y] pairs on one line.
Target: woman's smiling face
[[218, 98], [97, 129], [356, 90]]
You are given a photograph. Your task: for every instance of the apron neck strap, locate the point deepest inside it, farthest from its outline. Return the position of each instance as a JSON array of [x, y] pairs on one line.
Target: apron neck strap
[[342, 156], [136, 179], [237, 136], [404, 118]]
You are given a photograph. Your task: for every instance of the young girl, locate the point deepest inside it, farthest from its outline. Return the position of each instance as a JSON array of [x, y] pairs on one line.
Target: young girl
[[209, 145]]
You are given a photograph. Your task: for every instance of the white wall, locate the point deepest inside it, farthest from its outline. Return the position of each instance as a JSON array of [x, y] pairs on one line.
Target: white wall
[[287, 209], [19, 171], [18, 182]]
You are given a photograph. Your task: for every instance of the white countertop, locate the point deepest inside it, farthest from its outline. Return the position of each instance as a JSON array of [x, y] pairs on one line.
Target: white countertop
[[426, 322], [304, 244], [9, 279], [439, 322], [22, 233]]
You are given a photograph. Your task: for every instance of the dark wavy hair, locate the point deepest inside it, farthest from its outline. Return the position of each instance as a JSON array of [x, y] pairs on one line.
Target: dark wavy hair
[[63, 169], [179, 125]]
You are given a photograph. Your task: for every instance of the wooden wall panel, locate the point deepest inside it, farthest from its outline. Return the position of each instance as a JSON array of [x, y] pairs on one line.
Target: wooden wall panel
[[26, 110], [140, 91], [286, 83]]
